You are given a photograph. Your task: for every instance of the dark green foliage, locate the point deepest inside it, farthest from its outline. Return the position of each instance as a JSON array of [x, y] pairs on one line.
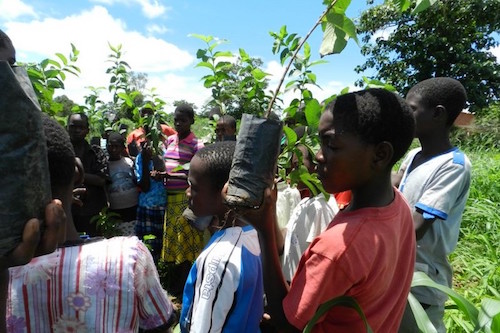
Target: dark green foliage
[[451, 38]]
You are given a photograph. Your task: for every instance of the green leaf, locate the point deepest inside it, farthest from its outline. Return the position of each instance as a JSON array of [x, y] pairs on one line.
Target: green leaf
[[423, 321], [206, 39], [311, 77], [55, 63], [291, 136], [422, 5], [334, 40], [205, 64], [421, 279], [341, 6], [223, 54], [258, 74], [490, 308], [313, 113], [346, 301], [126, 98], [243, 54], [63, 59], [181, 167], [403, 4]]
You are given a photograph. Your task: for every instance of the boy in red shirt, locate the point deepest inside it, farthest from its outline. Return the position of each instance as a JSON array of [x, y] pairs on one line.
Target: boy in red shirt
[[368, 250]]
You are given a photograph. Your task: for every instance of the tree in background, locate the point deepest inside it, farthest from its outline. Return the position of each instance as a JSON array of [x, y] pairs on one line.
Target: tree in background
[[451, 38]]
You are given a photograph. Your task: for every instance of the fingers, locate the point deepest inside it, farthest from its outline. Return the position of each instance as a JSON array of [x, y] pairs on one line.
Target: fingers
[[23, 253], [55, 220], [77, 193]]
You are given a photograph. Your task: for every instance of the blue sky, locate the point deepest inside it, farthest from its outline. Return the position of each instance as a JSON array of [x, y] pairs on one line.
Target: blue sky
[[155, 38]]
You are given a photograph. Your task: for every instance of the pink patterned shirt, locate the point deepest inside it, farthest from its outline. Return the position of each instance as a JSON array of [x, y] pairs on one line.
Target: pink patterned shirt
[[178, 153], [109, 285]]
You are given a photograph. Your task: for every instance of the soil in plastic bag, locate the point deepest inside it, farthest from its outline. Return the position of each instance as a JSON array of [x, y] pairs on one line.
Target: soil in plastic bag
[[254, 162], [24, 173]]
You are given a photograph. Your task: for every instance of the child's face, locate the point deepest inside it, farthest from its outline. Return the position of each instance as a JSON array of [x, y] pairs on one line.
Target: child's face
[[423, 115], [344, 160], [115, 149], [78, 128], [202, 198], [182, 123]]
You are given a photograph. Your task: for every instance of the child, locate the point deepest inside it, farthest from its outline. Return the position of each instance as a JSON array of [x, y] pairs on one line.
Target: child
[[122, 190], [181, 243], [368, 250], [96, 285], [152, 198], [224, 291], [225, 129], [308, 219], [435, 181]]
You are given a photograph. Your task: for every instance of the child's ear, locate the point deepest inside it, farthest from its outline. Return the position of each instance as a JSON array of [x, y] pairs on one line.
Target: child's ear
[[383, 154], [440, 113]]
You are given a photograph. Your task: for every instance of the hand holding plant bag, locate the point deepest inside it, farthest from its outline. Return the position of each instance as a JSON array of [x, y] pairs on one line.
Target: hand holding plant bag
[[24, 181]]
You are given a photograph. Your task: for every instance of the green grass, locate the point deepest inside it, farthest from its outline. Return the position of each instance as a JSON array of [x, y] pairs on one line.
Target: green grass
[[476, 260]]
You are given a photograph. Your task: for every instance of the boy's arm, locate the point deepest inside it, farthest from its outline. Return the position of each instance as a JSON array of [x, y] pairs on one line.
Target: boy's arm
[[275, 286], [421, 225]]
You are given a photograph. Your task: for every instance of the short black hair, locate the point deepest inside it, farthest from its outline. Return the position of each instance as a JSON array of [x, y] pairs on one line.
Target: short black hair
[[444, 91], [82, 115], [60, 153], [227, 119], [186, 109], [217, 159], [376, 115], [115, 136]]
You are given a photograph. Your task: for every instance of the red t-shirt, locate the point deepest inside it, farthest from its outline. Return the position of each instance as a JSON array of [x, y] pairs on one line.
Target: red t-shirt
[[139, 136], [368, 254]]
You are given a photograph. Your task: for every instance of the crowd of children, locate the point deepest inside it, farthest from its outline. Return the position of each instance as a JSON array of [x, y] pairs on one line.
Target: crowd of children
[[255, 271]]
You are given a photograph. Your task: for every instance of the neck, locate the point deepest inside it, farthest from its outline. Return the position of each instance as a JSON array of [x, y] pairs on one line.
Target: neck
[[183, 135], [435, 144], [378, 193]]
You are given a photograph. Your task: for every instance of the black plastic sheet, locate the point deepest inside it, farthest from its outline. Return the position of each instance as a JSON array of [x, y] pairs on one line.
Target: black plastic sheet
[[254, 162], [24, 173]]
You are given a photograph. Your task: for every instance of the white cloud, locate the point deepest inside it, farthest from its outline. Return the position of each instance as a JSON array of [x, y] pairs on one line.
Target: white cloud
[[37, 40], [496, 52], [328, 88], [12, 9], [383, 34], [150, 8], [174, 87], [156, 29]]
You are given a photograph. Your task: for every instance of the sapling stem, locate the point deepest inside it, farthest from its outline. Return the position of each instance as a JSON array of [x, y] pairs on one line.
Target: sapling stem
[[276, 92]]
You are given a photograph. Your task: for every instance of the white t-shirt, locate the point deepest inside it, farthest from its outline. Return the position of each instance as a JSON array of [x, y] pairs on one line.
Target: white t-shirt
[[122, 191], [308, 220], [288, 198], [439, 188]]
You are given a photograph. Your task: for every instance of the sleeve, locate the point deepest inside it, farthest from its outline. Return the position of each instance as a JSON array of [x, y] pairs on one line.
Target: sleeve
[[446, 187], [321, 215], [154, 307], [309, 290], [138, 167], [199, 145], [218, 282]]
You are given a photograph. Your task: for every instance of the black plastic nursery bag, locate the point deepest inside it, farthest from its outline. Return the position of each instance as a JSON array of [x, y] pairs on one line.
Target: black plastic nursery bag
[[24, 173], [254, 162]]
